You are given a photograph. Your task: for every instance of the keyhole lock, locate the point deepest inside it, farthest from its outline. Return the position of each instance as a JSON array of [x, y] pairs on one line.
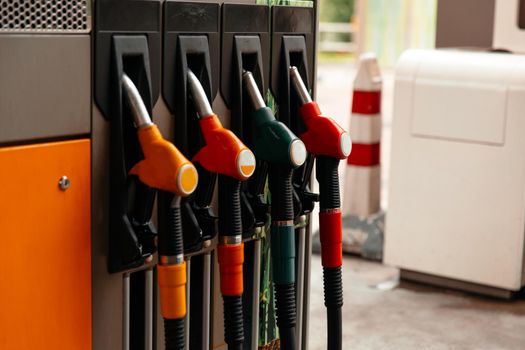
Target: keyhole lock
[[64, 183]]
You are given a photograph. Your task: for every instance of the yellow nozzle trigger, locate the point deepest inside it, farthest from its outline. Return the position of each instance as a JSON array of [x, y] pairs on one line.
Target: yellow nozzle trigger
[[164, 167]]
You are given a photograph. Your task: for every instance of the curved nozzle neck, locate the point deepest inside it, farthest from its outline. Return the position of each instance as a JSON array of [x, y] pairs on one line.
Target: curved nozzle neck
[[300, 88], [253, 90], [141, 117], [202, 105]]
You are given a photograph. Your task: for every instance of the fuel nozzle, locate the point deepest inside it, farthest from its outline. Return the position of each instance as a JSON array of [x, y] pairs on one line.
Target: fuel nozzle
[[163, 167], [323, 135], [223, 153], [273, 141]]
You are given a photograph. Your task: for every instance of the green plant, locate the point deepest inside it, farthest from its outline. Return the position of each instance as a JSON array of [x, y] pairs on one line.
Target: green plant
[[336, 10]]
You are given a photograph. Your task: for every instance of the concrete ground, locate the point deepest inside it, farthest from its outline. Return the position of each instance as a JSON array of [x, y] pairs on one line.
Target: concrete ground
[[379, 313]]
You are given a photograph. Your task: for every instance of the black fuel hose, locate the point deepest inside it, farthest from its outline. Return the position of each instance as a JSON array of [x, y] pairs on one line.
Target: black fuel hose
[[328, 178], [283, 251], [170, 246], [230, 236]]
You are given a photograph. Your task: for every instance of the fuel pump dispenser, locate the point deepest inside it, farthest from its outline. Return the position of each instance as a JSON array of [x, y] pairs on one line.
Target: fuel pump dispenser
[[276, 145], [329, 143], [149, 251], [227, 156]]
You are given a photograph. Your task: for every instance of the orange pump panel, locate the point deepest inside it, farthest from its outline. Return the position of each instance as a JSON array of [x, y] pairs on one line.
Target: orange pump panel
[[45, 247]]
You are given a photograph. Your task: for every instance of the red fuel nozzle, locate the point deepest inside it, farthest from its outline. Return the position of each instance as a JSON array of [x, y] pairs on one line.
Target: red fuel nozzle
[[223, 153], [323, 135]]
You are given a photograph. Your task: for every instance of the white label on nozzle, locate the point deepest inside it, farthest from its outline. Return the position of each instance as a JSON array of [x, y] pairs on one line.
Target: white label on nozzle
[[246, 163], [187, 179], [298, 152], [345, 143]]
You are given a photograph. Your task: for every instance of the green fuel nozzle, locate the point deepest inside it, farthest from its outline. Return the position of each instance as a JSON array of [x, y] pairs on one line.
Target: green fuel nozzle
[[276, 145], [273, 141]]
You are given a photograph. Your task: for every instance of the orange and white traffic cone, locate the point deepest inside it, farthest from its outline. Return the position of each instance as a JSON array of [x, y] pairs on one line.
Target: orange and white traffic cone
[[363, 172]]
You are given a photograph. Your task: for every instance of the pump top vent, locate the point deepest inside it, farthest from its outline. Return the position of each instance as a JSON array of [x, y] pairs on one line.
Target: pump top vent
[[45, 16]]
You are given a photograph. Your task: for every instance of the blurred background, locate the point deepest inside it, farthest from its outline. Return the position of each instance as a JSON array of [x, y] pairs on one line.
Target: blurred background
[[383, 310], [386, 28]]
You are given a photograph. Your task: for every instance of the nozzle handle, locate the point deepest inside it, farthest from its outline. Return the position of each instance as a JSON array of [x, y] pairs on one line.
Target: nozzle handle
[[170, 239], [328, 177], [230, 223]]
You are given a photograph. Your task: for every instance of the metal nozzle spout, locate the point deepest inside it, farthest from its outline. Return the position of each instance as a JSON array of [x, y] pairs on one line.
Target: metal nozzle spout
[[253, 90], [141, 117], [202, 105], [300, 88]]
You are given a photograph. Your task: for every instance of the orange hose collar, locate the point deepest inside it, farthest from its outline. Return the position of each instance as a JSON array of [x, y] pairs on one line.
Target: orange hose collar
[[172, 285], [231, 258]]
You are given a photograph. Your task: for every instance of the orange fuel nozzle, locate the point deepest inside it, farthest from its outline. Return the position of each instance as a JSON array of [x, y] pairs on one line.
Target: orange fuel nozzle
[[163, 167], [223, 153]]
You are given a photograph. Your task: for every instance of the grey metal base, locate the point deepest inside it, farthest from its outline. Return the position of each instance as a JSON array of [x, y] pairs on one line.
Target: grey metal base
[[456, 284]]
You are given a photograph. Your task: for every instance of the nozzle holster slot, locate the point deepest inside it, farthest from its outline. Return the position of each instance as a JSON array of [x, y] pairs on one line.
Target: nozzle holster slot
[[132, 48], [132, 233], [110, 21], [184, 50], [293, 40], [245, 45], [191, 42]]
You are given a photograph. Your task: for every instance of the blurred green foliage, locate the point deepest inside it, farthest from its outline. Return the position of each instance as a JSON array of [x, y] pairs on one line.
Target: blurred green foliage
[[336, 10]]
